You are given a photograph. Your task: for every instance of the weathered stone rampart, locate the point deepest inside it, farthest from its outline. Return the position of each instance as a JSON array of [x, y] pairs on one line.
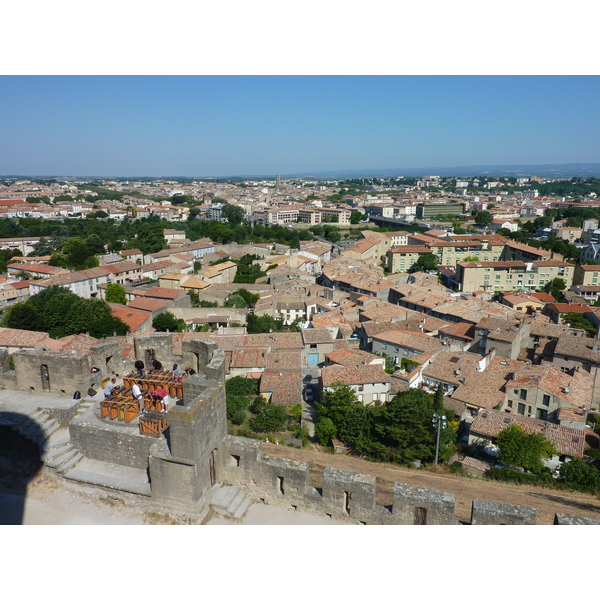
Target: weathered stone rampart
[[196, 455], [344, 495]]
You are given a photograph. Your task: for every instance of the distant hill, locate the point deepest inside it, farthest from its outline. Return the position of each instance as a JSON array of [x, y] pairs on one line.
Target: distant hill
[[558, 171]]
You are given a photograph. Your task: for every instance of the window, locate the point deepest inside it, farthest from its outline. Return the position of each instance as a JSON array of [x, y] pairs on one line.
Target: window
[[375, 397], [384, 346], [523, 395], [541, 414], [510, 404], [521, 408], [546, 400]]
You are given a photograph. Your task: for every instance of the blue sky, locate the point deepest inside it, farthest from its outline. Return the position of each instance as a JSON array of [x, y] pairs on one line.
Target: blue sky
[[264, 125]]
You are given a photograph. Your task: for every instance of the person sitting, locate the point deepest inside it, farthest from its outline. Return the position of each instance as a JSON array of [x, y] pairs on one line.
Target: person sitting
[[141, 369], [156, 365], [108, 388], [190, 371]]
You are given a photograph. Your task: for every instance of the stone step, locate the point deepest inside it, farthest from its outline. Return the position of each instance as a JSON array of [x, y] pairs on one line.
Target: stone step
[[223, 498], [112, 476], [54, 452], [27, 428], [243, 507], [235, 503], [37, 413], [72, 462], [53, 427], [85, 406], [43, 419], [62, 458], [58, 438]]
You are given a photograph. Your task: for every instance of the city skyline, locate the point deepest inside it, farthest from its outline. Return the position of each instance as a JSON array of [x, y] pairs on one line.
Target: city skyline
[[151, 126]]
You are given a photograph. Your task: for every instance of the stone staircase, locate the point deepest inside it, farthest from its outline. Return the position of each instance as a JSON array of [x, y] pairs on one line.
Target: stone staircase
[[58, 453], [230, 501]]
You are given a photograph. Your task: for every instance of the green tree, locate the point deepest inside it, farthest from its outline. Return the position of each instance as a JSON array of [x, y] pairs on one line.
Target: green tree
[[240, 386], [115, 293], [235, 301], [325, 431], [337, 402], [235, 404], [578, 321], [150, 238], [263, 324], [577, 471], [234, 214], [519, 449], [95, 244], [107, 325], [167, 321], [483, 217], [356, 217], [76, 251], [250, 298], [425, 262], [555, 288], [408, 430], [22, 316], [269, 418]]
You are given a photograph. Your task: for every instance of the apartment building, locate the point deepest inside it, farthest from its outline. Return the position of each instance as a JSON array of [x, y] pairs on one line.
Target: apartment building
[[425, 211], [401, 258], [586, 275], [84, 283], [514, 275]]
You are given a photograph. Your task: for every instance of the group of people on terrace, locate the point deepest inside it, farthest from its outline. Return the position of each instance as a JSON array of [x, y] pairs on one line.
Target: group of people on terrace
[[113, 385]]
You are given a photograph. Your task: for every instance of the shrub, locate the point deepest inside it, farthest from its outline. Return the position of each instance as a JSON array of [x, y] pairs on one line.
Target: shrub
[[257, 404], [456, 467], [508, 475], [325, 430], [240, 386], [239, 417], [296, 411], [578, 472], [269, 417], [593, 452], [236, 404], [302, 433]]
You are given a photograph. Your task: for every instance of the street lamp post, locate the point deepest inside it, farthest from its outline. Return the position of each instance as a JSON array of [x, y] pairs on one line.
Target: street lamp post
[[439, 421]]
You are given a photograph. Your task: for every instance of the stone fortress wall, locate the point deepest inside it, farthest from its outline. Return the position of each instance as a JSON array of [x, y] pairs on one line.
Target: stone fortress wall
[[196, 455]]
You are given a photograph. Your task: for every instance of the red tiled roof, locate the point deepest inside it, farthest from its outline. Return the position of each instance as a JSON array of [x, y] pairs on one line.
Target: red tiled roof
[[566, 440], [147, 304]]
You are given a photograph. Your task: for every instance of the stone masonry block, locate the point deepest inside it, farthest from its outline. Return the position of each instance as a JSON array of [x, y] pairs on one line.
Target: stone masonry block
[[493, 513], [562, 519], [347, 494], [415, 505]]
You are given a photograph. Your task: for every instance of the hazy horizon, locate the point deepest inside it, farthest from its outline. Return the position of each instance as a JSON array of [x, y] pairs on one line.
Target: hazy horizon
[[250, 126]]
